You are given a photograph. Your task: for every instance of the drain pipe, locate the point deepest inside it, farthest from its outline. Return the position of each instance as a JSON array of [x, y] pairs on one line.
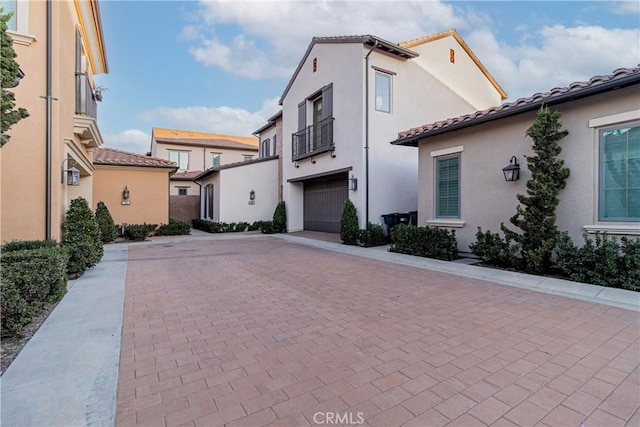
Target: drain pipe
[[48, 124], [366, 133]]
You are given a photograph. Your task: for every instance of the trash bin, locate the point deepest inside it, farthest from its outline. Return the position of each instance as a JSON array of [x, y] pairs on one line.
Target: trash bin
[[414, 217], [393, 219]]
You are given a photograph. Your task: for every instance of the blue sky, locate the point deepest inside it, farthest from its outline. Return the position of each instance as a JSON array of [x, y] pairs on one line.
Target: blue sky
[[221, 66]]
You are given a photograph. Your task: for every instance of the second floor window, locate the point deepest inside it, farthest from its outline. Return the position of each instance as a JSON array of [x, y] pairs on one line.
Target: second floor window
[[383, 92], [9, 6], [216, 159], [266, 148], [247, 157], [181, 158]]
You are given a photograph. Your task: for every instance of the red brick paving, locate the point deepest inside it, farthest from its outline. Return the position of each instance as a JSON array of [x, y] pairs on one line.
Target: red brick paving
[[261, 331]]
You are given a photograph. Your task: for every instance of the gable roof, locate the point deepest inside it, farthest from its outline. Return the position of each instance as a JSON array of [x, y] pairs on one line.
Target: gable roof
[[113, 157], [185, 175], [454, 33], [369, 40], [211, 171], [203, 139], [620, 78], [271, 121]]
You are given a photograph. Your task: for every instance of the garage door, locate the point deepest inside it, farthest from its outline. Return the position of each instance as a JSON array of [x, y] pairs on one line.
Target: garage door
[[323, 203]]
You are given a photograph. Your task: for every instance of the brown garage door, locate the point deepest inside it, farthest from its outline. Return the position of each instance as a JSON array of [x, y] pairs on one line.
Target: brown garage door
[[323, 203]]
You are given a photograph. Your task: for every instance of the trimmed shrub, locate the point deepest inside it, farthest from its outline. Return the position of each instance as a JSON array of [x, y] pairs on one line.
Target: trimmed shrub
[[108, 232], [267, 227], [349, 228], [601, 261], [430, 242], [174, 228], [493, 249], [82, 237], [19, 245], [138, 232], [31, 278], [372, 236], [280, 218], [232, 227]]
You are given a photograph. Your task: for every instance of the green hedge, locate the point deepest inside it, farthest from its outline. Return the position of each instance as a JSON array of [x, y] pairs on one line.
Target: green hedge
[[430, 242], [138, 232], [232, 227], [31, 278], [601, 261], [174, 228], [19, 245], [372, 236], [493, 249]]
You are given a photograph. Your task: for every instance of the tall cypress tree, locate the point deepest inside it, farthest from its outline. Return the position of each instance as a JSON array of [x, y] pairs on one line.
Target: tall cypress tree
[[536, 214], [9, 115]]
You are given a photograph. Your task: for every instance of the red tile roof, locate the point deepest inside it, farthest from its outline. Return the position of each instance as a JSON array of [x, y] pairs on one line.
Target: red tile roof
[[185, 176], [111, 156], [621, 77]]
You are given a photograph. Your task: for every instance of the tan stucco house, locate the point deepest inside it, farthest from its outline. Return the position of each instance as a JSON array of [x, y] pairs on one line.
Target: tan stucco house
[[462, 186], [62, 129], [348, 97], [195, 152], [135, 188]]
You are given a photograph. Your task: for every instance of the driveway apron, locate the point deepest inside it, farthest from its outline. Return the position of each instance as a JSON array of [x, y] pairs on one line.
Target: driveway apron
[[265, 331]]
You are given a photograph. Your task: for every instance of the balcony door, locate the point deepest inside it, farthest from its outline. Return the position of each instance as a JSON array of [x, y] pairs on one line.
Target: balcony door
[[317, 126]]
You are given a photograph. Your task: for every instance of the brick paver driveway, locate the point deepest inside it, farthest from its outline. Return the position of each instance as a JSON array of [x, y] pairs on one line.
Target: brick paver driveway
[[263, 331]]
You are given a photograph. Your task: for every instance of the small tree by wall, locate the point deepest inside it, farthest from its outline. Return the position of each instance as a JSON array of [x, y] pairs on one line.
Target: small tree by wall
[[106, 224], [280, 218], [81, 237], [349, 228], [536, 214], [9, 115]]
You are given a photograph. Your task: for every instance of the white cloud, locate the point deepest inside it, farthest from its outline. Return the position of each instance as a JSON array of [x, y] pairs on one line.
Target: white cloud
[[225, 120], [275, 34], [132, 140], [625, 7], [556, 56]]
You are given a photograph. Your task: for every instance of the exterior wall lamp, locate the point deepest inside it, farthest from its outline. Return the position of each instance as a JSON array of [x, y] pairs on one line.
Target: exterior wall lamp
[[512, 170], [125, 196], [73, 174], [353, 184], [252, 195]]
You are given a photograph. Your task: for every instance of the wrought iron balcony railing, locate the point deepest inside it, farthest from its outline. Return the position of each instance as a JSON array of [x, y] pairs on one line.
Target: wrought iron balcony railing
[[312, 140]]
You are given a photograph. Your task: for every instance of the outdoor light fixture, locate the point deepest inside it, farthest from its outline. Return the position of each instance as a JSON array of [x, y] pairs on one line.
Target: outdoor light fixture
[[252, 195], [353, 184], [512, 170], [125, 193], [19, 76], [73, 174]]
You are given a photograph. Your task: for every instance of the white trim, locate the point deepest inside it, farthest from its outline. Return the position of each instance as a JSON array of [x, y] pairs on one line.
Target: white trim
[[614, 119], [633, 230], [22, 38], [455, 223], [447, 151]]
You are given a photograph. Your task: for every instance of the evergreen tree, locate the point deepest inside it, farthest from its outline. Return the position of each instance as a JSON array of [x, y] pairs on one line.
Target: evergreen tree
[[536, 214], [349, 228], [9, 115], [81, 237], [280, 218], [105, 223]]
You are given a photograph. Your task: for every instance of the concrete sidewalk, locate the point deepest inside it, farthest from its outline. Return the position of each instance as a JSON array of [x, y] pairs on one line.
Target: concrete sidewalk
[[67, 374]]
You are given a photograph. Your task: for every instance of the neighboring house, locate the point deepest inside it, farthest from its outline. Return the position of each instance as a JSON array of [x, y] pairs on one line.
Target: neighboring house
[[347, 98], [245, 191], [132, 186], [48, 161], [461, 183], [195, 152], [270, 136]]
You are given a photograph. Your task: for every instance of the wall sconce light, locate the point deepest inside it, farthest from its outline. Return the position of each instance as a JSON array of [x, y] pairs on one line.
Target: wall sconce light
[[19, 76], [512, 170], [125, 196], [296, 164], [252, 195], [353, 184], [73, 174]]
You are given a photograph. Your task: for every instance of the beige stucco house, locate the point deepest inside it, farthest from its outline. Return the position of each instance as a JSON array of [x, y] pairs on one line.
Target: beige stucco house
[[62, 129], [135, 188], [348, 97], [195, 152], [462, 186]]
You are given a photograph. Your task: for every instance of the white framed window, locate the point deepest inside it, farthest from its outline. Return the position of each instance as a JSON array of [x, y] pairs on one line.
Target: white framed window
[[619, 161], [383, 92], [10, 6], [181, 158], [216, 159], [266, 148], [447, 189], [247, 157], [182, 191], [18, 25]]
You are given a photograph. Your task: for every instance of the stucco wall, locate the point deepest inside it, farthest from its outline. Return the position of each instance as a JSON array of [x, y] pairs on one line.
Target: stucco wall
[[148, 189], [201, 158], [487, 199], [233, 185]]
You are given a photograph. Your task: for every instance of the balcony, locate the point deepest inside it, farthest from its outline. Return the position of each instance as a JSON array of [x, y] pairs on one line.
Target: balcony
[[86, 100], [312, 140]]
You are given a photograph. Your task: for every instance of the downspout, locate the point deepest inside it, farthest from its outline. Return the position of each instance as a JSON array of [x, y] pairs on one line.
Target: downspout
[[366, 133], [48, 124]]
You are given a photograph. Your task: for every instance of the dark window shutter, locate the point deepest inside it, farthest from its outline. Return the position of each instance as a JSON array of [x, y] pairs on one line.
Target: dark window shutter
[[327, 101], [302, 115]]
